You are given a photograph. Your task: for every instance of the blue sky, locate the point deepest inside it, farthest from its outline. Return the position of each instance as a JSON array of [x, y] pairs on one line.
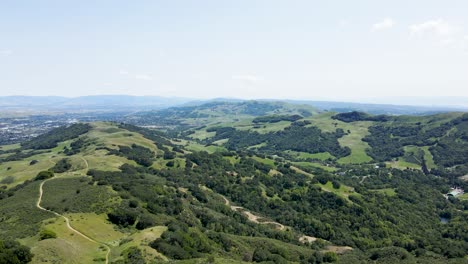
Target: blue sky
[[342, 50]]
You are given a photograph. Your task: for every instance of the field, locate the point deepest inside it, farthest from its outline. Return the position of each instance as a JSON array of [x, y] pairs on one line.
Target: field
[[106, 133], [20, 216], [353, 140], [344, 191], [68, 247], [141, 240], [100, 160], [386, 191], [305, 155], [75, 194], [314, 165], [401, 164], [428, 158]]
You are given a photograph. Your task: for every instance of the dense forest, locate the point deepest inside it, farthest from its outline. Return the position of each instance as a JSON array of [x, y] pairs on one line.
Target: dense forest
[[296, 137]]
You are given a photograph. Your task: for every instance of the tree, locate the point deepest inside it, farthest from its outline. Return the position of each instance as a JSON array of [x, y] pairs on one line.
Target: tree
[[43, 175]]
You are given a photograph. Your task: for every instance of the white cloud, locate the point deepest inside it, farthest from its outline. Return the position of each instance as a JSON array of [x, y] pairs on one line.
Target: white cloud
[[144, 77], [387, 23], [438, 27], [6, 52], [123, 72], [246, 78]]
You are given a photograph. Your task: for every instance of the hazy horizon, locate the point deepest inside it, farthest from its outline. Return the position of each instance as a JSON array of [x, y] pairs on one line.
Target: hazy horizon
[[360, 51], [446, 101]]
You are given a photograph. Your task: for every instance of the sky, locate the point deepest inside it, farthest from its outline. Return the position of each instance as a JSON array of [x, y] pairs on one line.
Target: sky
[[339, 50]]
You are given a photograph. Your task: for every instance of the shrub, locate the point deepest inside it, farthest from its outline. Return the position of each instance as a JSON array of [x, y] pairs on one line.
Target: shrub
[[7, 180], [62, 165], [47, 234], [13, 252], [43, 175]]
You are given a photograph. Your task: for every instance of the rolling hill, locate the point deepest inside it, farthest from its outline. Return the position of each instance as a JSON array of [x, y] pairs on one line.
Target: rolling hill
[[239, 182]]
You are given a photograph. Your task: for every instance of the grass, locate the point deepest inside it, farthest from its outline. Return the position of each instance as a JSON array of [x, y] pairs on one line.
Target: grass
[[22, 171], [428, 158], [68, 247], [141, 239], [305, 155], [265, 161], [296, 169], [101, 161], [122, 138], [161, 163], [232, 160], [193, 146], [463, 196], [202, 134], [343, 192], [20, 216], [401, 164], [221, 141], [271, 127], [353, 140], [386, 191], [314, 165], [96, 226], [10, 147], [76, 195]]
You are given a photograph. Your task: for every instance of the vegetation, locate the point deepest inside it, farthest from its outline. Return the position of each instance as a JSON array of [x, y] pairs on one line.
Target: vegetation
[[253, 198], [360, 116], [276, 118], [47, 234], [448, 142], [139, 154], [49, 140], [62, 165], [296, 138], [44, 175], [12, 252]]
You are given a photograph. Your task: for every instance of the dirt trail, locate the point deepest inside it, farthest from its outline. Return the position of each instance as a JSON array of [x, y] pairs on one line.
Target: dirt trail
[[251, 216], [363, 178], [67, 221], [86, 162], [254, 218]]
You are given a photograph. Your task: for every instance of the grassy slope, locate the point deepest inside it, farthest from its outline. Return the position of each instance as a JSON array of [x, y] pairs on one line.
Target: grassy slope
[[141, 239], [344, 191], [66, 248], [305, 155], [103, 133], [353, 140], [358, 130], [20, 216], [25, 220]]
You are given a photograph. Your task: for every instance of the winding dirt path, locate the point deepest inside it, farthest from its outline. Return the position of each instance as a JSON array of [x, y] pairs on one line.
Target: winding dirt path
[[67, 221], [86, 162], [254, 218], [251, 216]]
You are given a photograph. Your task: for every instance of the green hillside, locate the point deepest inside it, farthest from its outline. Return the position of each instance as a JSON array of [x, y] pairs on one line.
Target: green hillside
[[239, 183]]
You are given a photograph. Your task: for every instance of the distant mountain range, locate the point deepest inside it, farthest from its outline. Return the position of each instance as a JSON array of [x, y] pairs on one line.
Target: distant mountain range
[[94, 101], [141, 103]]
